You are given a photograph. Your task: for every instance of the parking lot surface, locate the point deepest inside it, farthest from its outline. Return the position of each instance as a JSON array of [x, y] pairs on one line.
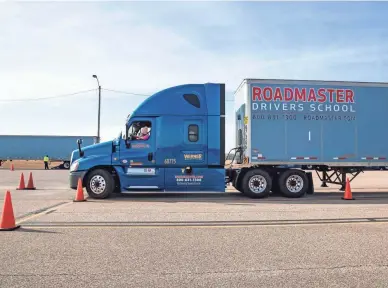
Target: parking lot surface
[[194, 240]]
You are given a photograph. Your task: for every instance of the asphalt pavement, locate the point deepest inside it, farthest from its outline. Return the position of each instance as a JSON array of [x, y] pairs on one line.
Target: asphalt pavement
[[194, 240]]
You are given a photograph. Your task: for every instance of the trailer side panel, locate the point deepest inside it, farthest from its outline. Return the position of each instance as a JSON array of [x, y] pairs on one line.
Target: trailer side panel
[[31, 147], [336, 123]]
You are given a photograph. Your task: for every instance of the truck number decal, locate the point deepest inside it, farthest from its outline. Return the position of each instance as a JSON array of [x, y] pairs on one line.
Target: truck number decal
[[170, 161]]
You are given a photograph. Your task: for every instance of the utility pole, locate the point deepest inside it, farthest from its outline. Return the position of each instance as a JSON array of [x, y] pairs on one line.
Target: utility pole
[[99, 108]]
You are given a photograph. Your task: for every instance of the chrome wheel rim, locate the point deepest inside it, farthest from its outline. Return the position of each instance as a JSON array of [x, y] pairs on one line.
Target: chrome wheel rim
[[294, 183], [97, 184], [257, 184]]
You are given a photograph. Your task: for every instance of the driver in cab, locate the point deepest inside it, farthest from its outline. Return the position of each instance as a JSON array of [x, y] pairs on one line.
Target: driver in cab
[[144, 134]]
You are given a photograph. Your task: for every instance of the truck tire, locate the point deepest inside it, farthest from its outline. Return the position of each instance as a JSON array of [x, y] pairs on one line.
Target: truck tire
[[66, 165], [293, 183], [99, 184], [256, 184]]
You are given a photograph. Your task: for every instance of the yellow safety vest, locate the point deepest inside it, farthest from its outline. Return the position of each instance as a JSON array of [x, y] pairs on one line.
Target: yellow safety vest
[[45, 159]]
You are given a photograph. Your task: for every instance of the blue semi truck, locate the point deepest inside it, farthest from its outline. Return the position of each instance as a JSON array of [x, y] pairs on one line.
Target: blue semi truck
[[282, 128], [35, 147]]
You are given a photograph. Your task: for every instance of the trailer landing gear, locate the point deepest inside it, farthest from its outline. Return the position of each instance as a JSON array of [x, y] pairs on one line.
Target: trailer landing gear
[[337, 176]]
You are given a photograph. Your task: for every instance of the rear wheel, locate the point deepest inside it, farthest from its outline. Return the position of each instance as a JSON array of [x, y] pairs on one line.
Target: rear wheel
[[99, 184], [256, 184], [293, 183]]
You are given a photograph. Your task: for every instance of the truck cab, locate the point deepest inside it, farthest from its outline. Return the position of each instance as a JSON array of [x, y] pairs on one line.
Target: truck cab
[[184, 149]]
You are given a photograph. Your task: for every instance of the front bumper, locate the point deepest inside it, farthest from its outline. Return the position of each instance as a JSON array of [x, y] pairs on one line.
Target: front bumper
[[73, 178]]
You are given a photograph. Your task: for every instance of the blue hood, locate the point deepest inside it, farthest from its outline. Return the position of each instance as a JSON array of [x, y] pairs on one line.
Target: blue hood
[[103, 148]]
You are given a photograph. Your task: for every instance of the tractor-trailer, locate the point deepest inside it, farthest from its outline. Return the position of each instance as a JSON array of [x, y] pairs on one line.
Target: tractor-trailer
[[35, 147], [175, 140]]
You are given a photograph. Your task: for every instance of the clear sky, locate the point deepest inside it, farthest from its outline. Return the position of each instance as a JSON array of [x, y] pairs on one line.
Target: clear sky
[[53, 48]]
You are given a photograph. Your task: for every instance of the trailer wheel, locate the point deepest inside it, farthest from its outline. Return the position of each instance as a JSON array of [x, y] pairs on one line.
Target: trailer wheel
[[66, 165], [99, 184], [256, 184], [293, 183]]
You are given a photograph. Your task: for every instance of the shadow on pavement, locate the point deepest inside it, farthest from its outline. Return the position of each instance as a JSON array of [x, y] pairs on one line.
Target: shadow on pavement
[[21, 229]]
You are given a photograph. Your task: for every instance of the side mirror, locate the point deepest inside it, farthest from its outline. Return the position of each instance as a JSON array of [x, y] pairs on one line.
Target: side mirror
[[81, 153]]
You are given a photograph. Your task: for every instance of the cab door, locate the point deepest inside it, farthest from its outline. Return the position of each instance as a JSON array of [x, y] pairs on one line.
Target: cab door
[[138, 160], [190, 154]]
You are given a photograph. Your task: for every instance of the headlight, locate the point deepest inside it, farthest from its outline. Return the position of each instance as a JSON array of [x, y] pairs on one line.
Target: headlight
[[74, 166]]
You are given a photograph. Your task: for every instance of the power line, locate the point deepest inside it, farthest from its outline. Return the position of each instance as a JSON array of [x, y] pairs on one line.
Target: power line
[[46, 98], [77, 93], [125, 92], [136, 94]]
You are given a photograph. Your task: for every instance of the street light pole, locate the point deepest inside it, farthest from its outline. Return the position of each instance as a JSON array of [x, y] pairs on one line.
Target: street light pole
[[99, 108]]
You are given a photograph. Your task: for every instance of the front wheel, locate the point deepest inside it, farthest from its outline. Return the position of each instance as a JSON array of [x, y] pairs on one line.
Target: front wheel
[[256, 184], [66, 165], [99, 184], [293, 183]]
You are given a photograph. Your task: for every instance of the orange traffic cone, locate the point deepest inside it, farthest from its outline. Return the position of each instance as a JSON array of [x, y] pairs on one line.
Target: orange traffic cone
[[80, 192], [30, 185], [7, 222], [348, 192], [12, 168], [21, 183]]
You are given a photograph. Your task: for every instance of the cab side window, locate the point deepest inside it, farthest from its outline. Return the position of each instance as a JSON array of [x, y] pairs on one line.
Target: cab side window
[[140, 130], [193, 133]]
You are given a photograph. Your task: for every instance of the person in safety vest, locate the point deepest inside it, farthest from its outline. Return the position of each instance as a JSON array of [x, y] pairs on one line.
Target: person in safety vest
[[46, 162]]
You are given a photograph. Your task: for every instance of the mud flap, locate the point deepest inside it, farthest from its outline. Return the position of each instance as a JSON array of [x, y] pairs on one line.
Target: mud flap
[[310, 189]]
